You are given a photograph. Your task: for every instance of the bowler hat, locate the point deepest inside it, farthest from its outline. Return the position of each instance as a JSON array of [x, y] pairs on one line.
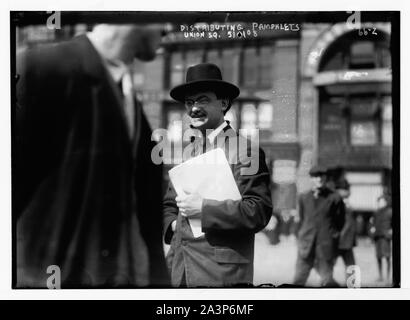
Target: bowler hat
[[204, 77], [317, 171]]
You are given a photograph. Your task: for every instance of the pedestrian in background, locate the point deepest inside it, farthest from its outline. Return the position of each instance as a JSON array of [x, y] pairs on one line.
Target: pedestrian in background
[[382, 234], [321, 218]]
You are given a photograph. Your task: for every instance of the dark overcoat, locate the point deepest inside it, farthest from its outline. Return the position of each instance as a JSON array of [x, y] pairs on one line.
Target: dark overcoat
[[224, 255], [321, 220], [347, 238], [383, 222], [86, 196]]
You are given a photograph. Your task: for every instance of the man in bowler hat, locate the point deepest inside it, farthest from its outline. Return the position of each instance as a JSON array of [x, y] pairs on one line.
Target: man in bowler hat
[[223, 255], [321, 214]]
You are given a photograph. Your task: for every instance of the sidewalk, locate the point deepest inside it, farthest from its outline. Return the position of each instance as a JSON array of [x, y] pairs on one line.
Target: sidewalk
[[275, 264]]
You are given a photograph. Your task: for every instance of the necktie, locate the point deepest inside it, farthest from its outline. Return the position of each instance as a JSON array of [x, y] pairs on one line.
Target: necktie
[[201, 146], [129, 100]]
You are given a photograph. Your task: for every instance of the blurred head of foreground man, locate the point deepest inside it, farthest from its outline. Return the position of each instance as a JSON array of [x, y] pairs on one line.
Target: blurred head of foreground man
[[86, 195], [222, 253], [322, 215], [126, 42]]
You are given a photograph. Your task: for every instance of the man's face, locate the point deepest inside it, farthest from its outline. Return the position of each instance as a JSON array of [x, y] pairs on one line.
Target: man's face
[[382, 202], [344, 193], [318, 181], [205, 110]]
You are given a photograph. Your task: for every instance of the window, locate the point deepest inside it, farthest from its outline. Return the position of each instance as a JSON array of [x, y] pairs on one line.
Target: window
[[250, 68], [364, 121], [265, 70], [363, 133], [174, 120], [362, 55], [383, 57], [387, 133], [365, 188], [252, 115], [177, 69], [363, 107], [256, 68], [370, 121], [230, 65], [177, 122], [265, 115], [213, 57], [284, 171], [193, 57], [249, 119]]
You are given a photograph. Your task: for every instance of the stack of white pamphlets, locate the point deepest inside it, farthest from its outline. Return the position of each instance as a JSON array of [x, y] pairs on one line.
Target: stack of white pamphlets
[[208, 174]]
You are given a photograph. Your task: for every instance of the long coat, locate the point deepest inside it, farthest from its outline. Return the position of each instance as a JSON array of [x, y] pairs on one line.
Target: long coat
[[383, 222], [86, 197], [347, 238], [224, 255], [321, 221]]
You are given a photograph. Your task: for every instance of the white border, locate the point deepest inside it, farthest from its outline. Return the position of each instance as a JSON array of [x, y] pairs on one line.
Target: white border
[[201, 294]]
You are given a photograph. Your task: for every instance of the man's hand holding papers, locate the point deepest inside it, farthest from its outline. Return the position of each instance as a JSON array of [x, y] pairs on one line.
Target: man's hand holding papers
[[190, 204]]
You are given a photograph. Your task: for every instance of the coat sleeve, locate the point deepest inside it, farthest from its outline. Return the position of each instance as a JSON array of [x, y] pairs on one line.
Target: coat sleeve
[[37, 119], [340, 214], [252, 212], [170, 210], [347, 222], [301, 213], [149, 191]]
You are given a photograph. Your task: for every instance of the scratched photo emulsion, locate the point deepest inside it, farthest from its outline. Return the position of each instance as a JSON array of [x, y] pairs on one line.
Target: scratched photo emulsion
[[205, 149]]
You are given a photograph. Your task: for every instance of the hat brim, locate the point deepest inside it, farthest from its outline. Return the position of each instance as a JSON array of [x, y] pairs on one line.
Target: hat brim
[[222, 87]]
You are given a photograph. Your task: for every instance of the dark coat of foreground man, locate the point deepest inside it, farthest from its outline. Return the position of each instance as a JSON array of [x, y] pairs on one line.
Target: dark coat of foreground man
[[86, 197]]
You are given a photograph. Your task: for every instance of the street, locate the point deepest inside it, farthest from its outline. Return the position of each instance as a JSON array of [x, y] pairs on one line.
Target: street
[[275, 264]]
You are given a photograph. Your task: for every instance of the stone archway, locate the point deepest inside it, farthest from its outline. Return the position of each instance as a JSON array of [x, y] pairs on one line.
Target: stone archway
[[311, 61]]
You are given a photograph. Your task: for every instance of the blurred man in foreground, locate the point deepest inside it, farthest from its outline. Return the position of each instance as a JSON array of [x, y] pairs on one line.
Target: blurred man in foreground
[[86, 195]]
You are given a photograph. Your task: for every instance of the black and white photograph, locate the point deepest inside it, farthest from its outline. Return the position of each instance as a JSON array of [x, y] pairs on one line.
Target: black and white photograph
[[205, 149]]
